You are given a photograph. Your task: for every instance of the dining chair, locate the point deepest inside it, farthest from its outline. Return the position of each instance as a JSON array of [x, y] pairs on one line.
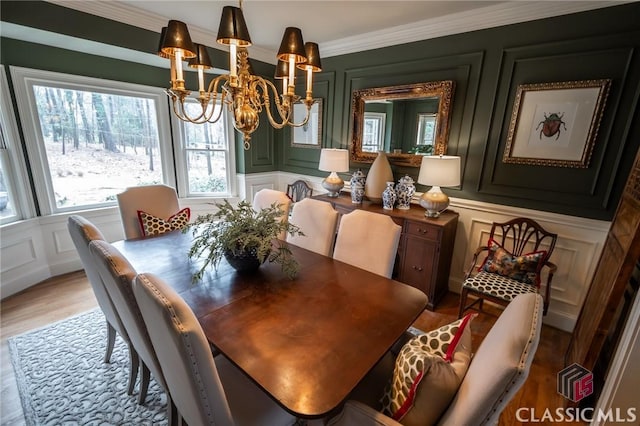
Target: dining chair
[[160, 201], [299, 190], [317, 220], [517, 250], [496, 372], [117, 275], [369, 241], [206, 391], [82, 232], [267, 197]]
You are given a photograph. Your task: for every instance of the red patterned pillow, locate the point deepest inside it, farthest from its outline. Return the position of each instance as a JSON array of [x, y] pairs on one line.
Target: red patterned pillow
[[525, 268], [428, 373], [152, 225]]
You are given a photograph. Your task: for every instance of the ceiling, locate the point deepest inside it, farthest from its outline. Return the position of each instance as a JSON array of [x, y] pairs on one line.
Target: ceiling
[[339, 27]]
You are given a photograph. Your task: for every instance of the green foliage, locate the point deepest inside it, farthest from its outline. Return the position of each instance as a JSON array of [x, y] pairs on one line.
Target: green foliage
[[421, 149], [241, 228], [208, 184]]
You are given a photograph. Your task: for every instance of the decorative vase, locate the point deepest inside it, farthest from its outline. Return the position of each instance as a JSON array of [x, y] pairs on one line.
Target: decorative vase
[[356, 183], [357, 193], [246, 261], [388, 197], [379, 174], [358, 178], [404, 192]]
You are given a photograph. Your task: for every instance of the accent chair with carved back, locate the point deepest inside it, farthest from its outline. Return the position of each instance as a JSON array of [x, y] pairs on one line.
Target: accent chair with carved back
[[517, 251]]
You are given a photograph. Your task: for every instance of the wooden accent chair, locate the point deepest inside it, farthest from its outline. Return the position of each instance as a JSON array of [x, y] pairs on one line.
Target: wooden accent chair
[[317, 220], [206, 391], [157, 200], [517, 252], [369, 241], [82, 232], [496, 373], [299, 190]]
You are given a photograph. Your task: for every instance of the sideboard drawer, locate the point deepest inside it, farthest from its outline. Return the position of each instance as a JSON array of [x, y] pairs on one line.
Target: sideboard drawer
[[423, 230]]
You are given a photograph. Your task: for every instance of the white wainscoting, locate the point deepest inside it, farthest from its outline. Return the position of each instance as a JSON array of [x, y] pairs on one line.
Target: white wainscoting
[[37, 249]]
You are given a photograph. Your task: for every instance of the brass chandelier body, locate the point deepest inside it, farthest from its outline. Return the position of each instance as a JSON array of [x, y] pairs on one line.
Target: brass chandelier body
[[244, 94]]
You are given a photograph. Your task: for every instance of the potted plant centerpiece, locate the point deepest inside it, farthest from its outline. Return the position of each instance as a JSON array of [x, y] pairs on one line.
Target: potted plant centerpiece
[[244, 237]]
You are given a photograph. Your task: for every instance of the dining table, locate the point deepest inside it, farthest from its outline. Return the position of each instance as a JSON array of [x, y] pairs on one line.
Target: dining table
[[306, 341]]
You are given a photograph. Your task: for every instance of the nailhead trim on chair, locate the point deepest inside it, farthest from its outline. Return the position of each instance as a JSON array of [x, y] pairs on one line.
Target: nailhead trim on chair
[[523, 359], [499, 286], [178, 324]]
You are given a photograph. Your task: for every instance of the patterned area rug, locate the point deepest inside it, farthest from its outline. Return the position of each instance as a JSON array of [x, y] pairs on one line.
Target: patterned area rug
[[63, 380]]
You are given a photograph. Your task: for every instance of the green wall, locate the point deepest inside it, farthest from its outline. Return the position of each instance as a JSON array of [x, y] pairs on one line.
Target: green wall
[[487, 66]]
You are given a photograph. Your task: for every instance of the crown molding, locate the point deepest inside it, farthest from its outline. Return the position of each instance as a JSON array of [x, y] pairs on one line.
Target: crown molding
[[478, 19], [510, 12]]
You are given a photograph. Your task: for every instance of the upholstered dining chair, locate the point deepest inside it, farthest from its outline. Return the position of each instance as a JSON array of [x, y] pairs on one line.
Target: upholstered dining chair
[[117, 275], [496, 372], [317, 220], [267, 197], [517, 251], [206, 391], [299, 190], [82, 232], [158, 200], [368, 240]]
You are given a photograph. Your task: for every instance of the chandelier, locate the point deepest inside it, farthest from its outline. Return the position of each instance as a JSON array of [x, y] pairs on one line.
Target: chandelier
[[244, 94]]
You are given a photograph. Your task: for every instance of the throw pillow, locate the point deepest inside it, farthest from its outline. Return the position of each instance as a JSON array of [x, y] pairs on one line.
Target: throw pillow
[[525, 268], [152, 225], [428, 373]]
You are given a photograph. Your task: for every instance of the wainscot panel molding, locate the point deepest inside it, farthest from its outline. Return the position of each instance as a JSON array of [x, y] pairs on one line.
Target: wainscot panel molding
[[22, 257]]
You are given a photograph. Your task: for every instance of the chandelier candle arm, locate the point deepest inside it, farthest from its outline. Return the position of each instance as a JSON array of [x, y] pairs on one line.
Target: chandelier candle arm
[[242, 93]]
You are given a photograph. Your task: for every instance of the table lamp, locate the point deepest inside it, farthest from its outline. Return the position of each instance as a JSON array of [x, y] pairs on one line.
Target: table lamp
[[437, 171], [333, 160]]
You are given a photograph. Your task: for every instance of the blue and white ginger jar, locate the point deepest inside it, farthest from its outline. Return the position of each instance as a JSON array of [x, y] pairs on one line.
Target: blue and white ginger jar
[[404, 192], [357, 182], [388, 197]]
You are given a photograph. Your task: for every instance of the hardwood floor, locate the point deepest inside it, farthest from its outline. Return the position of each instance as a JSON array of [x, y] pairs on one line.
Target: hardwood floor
[[70, 294], [50, 301]]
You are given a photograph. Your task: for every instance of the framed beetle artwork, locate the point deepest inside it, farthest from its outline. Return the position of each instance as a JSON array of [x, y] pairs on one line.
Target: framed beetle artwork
[[556, 124]]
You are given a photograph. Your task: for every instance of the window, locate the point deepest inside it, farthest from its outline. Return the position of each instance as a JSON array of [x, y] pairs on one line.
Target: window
[[15, 202], [373, 131], [426, 129], [205, 156], [89, 139]]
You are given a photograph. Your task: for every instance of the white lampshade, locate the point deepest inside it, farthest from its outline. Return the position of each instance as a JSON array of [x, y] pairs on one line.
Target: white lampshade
[[334, 160], [439, 170]]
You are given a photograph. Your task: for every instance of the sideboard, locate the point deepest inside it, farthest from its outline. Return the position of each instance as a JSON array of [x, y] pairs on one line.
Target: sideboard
[[426, 244]]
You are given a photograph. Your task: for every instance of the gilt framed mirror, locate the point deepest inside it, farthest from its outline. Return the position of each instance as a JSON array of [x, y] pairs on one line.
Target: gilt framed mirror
[[405, 121]]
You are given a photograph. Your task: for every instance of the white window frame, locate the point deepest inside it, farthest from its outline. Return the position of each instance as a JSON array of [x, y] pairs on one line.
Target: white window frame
[[381, 118], [13, 162], [25, 78], [422, 120], [180, 152]]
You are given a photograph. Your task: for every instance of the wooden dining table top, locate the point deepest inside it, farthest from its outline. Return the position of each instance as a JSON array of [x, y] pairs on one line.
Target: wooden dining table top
[[306, 341]]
